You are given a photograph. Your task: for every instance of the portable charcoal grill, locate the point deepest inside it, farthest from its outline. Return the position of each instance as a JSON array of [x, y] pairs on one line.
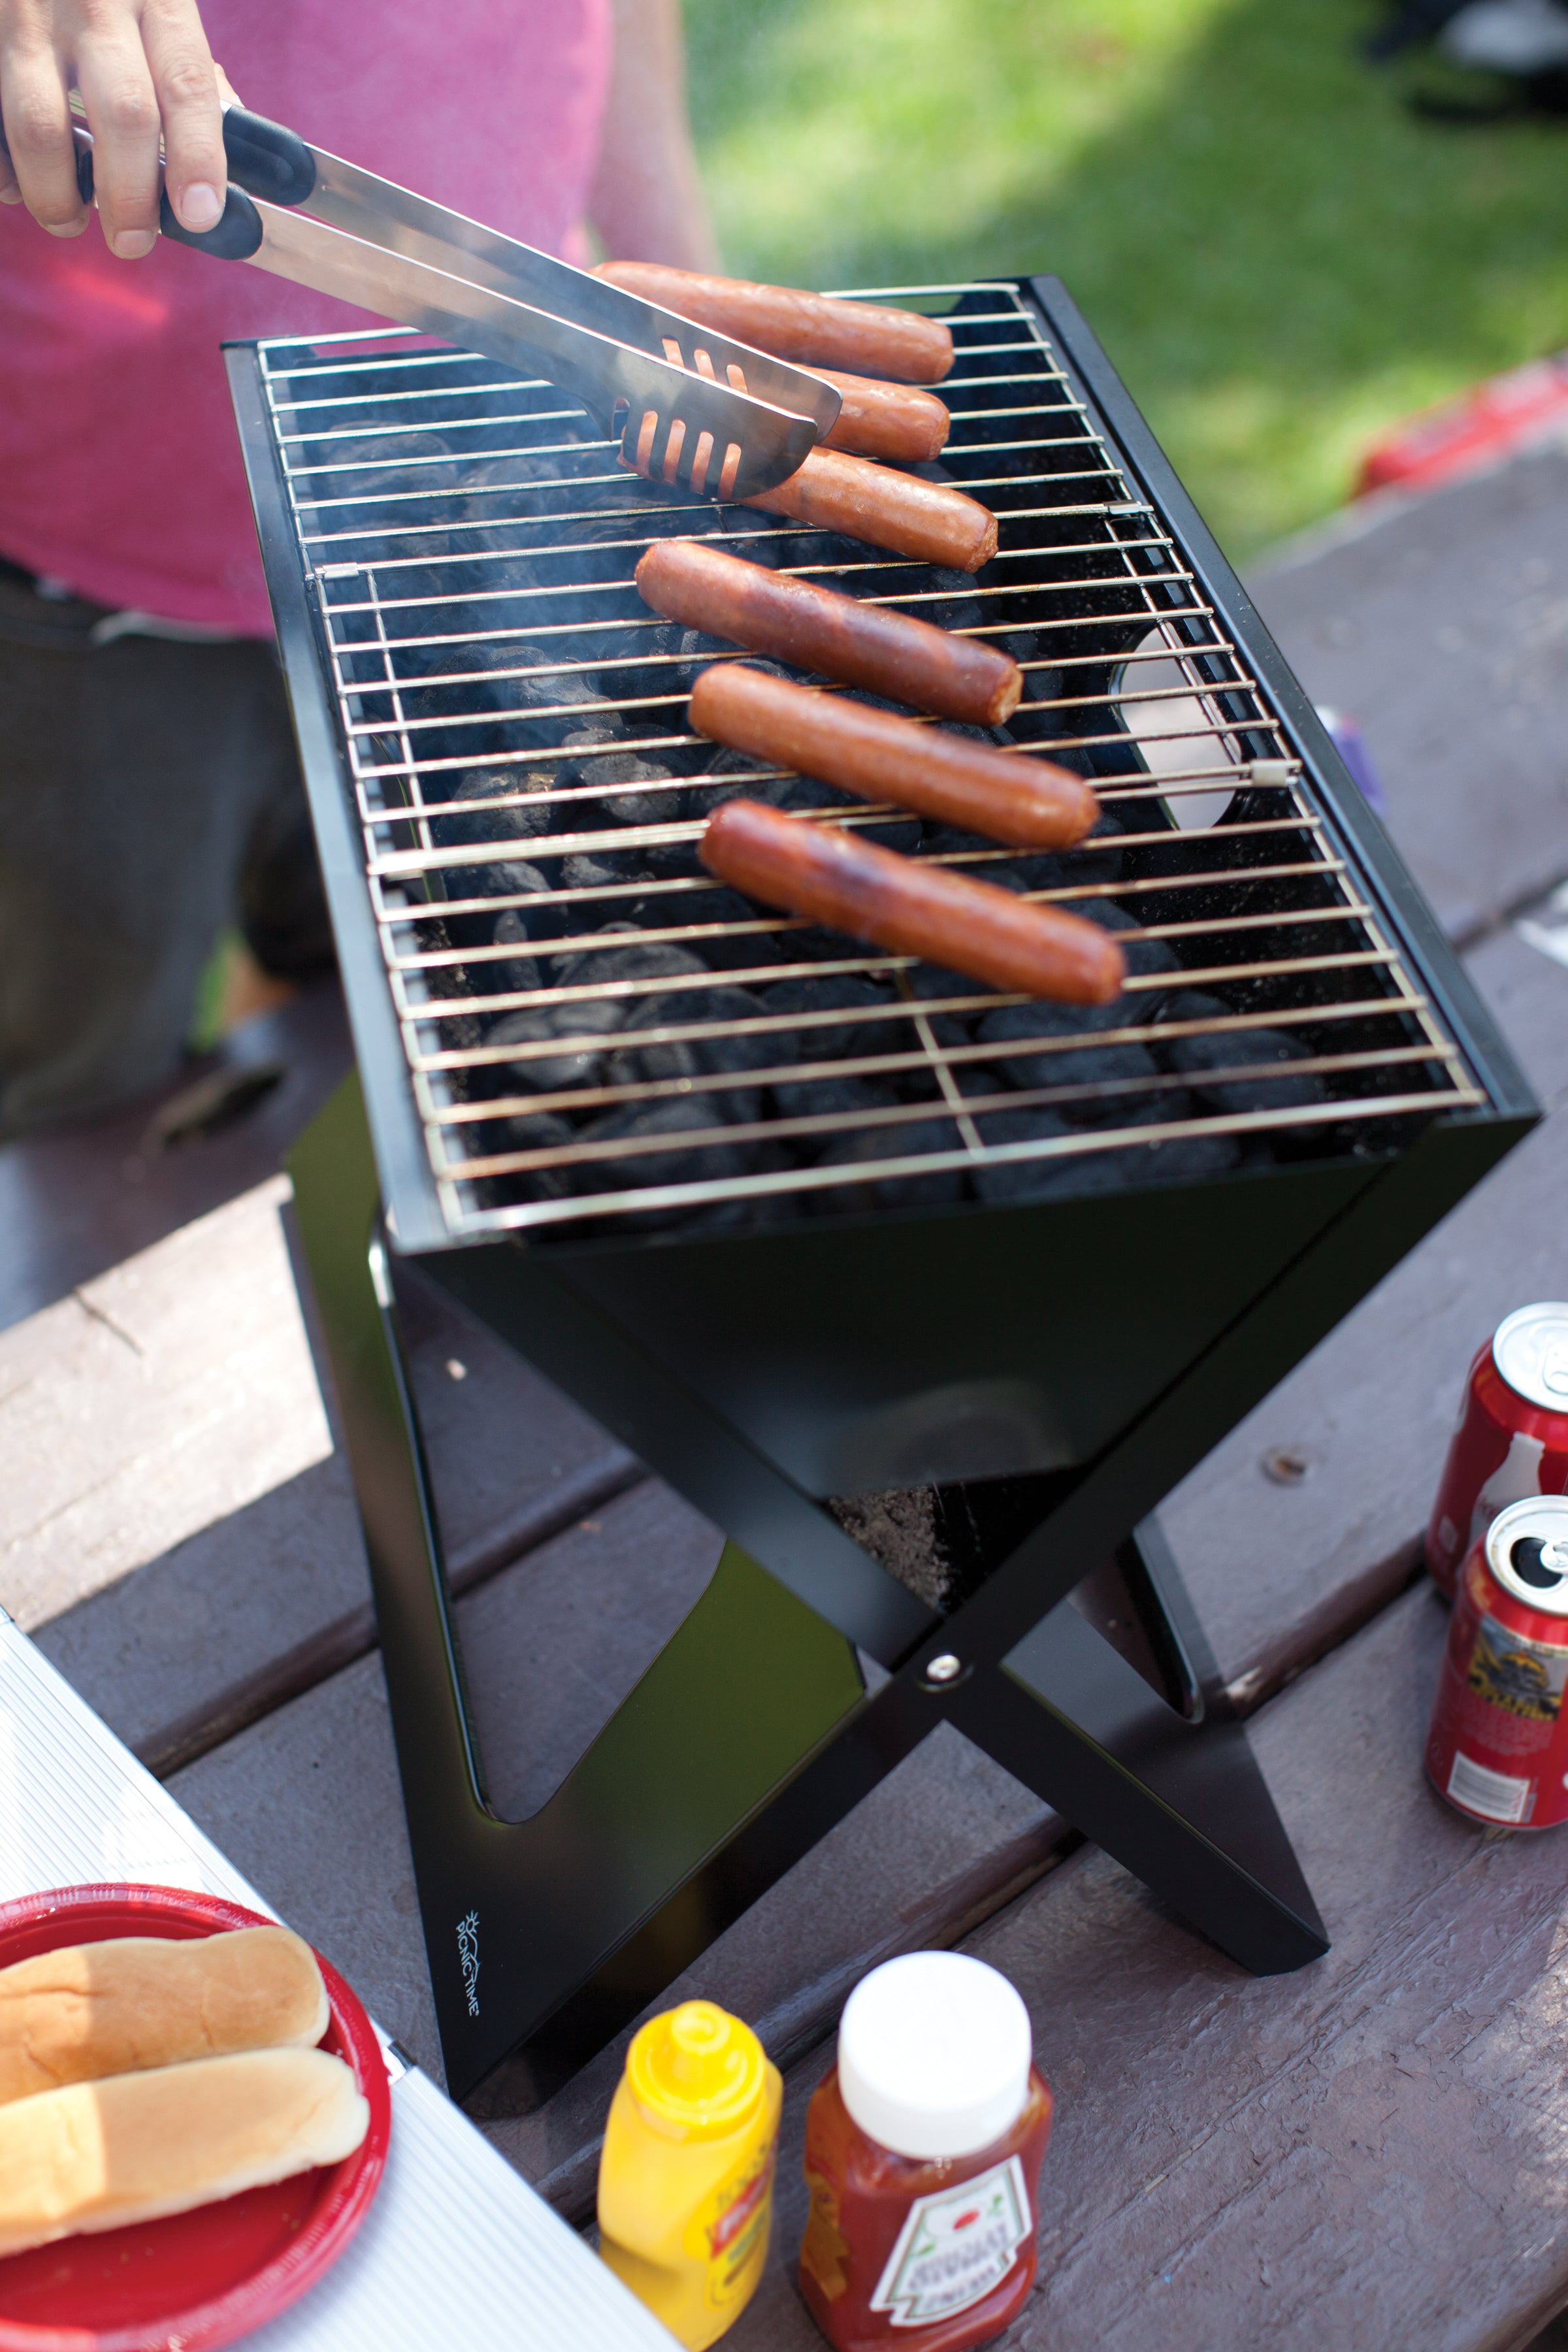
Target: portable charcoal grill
[[926, 1298]]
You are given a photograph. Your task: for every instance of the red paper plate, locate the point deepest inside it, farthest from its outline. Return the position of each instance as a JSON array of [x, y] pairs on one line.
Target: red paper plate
[[192, 2279]]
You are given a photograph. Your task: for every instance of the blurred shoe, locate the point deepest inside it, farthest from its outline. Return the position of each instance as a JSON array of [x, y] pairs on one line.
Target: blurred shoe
[[1520, 38], [1407, 25]]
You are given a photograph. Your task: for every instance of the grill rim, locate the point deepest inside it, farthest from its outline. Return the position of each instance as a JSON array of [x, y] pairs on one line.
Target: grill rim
[[414, 1216], [411, 1186]]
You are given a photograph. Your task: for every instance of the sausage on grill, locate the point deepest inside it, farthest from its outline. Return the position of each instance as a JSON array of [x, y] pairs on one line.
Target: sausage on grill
[[924, 520], [911, 908], [885, 420], [837, 636], [811, 330], [1025, 802]]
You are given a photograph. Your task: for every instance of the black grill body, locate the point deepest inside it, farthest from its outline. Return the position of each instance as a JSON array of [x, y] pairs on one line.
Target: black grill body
[[1045, 1369]]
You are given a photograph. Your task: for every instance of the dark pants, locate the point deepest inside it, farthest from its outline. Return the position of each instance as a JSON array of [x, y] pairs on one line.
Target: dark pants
[[150, 795]]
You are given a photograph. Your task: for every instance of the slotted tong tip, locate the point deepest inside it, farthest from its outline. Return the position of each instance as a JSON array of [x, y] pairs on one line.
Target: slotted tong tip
[[691, 408]]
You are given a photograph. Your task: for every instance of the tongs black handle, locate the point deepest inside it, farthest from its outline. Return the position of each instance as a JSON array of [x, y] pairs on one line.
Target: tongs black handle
[[267, 160], [264, 159]]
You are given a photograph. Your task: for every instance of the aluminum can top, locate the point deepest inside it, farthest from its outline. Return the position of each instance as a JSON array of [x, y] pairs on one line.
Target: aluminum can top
[[1529, 1349], [1527, 1551]]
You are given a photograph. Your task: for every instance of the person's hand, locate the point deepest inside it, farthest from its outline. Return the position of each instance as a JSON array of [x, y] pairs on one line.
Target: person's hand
[[142, 66]]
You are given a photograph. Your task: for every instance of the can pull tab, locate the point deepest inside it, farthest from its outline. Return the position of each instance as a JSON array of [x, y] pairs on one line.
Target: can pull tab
[[1537, 1564]]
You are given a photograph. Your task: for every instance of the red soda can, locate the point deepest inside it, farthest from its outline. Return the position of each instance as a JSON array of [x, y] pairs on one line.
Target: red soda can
[[1498, 1745], [1512, 1438]]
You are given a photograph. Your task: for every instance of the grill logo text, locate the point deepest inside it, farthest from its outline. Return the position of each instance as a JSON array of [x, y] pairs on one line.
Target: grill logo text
[[468, 1960]]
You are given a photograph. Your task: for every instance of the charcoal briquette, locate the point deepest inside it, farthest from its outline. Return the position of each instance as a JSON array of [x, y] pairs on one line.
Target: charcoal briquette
[[672, 861], [1040, 1057], [1193, 1004], [1026, 869], [1203, 1061], [501, 877], [829, 1098], [1184, 1160], [713, 1054], [934, 1189], [834, 1041], [619, 779], [721, 953], [605, 871], [617, 961], [1017, 1180], [1144, 956], [482, 822], [576, 1066], [539, 917], [932, 986], [1096, 858], [512, 973], [1125, 1072], [675, 1126], [537, 1131]]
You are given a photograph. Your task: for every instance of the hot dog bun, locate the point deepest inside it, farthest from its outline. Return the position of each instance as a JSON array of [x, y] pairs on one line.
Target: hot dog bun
[[139, 2001], [97, 2156]]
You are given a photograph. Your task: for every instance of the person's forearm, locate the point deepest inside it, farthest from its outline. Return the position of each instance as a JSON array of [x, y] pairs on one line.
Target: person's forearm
[[646, 201]]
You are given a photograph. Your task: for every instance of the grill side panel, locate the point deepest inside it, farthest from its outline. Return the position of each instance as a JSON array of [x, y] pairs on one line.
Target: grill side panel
[[862, 1357], [409, 1186]]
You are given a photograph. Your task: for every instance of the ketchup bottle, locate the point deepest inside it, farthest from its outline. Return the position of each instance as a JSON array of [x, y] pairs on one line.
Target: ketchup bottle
[[922, 2154]]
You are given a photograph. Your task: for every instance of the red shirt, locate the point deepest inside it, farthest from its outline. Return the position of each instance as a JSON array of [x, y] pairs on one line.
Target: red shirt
[[120, 469]]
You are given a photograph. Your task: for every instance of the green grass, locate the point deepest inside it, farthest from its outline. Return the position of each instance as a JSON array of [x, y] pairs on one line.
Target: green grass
[[1280, 260], [206, 1015]]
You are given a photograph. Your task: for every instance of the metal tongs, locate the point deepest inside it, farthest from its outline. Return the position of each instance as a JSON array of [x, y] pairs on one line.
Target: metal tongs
[[688, 406]]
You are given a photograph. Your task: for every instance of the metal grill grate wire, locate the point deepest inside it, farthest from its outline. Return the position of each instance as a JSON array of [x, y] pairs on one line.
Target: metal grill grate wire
[[471, 549]]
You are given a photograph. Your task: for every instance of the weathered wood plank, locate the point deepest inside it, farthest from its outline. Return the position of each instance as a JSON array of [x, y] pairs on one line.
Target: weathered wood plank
[[1440, 625], [1363, 2155], [177, 1528], [1281, 1572], [157, 1400], [327, 1842]]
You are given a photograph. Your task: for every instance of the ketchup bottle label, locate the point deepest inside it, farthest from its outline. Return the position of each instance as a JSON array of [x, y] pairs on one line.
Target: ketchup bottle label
[[955, 2247]]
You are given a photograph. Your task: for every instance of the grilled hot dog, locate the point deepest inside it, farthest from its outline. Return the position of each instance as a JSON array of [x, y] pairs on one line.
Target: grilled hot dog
[[885, 420], [925, 521], [885, 758], [812, 330], [911, 908], [839, 636]]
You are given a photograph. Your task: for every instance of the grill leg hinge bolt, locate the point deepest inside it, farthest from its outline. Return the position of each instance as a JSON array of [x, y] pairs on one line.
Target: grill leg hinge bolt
[[941, 1671]]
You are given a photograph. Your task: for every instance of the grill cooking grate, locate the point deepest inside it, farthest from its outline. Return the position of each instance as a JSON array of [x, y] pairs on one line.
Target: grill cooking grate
[[513, 719]]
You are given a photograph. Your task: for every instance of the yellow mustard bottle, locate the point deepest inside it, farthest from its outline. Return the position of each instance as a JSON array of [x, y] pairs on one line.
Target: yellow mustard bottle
[[686, 2179]]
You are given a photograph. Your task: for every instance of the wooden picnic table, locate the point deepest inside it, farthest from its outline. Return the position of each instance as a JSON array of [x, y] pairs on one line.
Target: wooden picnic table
[[1365, 2154]]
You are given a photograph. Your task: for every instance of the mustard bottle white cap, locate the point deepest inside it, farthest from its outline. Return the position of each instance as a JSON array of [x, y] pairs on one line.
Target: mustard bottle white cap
[[933, 2054]]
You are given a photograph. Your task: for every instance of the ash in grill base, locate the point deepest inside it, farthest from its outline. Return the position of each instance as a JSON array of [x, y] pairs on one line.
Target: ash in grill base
[[901, 1530]]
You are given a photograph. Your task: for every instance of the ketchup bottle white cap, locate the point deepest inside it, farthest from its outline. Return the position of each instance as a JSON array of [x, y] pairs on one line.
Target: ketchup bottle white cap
[[933, 2054]]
